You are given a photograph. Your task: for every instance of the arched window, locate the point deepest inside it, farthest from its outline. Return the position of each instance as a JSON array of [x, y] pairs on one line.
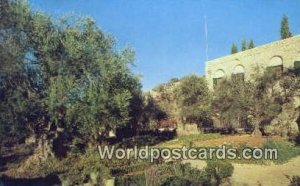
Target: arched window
[[238, 73], [218, 76], [275, 66], [275, 61]]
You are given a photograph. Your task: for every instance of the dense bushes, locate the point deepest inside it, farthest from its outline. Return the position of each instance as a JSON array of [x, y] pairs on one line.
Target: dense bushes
[[169, 174], [194, 98], [285, 150], [63, 74], [248, 104], [74, 169], [297, 67], [233, 103], [217, 170], [179, 174], [137, 179], [253, 104], [128, 168]]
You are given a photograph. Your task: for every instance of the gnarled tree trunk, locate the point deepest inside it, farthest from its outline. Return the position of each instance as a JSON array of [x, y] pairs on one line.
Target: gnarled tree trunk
[[255, 122]]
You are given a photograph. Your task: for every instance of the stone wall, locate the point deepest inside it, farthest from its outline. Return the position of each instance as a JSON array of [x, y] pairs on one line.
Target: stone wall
[[252, 61]]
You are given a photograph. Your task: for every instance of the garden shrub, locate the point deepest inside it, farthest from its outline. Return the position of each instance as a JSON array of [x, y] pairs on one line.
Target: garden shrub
[[133, 167], [177, 181], [217, 170], [285, 150], [297, 67], [178, 174], [166, 174], [132, 180], [77, 168]]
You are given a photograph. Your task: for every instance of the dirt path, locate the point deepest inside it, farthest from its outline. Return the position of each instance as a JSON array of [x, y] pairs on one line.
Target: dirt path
[[238, 140], [273, 175], [265, 175], [234, 140]]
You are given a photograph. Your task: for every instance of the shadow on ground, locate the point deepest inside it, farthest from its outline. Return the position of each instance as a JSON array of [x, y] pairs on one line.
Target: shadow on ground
[[50, 180]]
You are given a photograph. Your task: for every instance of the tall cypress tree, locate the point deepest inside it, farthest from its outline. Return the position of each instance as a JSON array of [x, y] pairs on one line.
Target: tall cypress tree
[[251, 44], [285, 29], [244, 45], [234, 49]]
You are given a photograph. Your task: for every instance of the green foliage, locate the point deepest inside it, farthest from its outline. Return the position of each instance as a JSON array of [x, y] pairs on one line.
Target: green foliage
[[100, 85], [219, 170], [177, 181], [285, 29], [18, 105], [165, 174], [81, 168], [251, 44], [285, 150], [188, 172], [233, 100], [234, 49], [244, 45], [198, 137], [178, 173], [297, 67], [137, 179], [173, 80], [153, 176], [289, 83], [159, 88], [62, 73], [132, 167], [151, 114], [268, 100], [188, 140], [142, 140], [150, 175], [194, 99], [242, 103]]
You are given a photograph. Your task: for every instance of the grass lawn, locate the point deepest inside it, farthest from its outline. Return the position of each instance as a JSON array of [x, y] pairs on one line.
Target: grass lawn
[[286, 149], [216, 140], [189, 140]]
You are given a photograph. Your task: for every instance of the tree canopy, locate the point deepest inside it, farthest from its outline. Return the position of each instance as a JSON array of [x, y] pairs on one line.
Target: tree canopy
[[285, 28], [251, 44], [194, 99], [63, 73], [234, 49], [244, 45], [240, 103]]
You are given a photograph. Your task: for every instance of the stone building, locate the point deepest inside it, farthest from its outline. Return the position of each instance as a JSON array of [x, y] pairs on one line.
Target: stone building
[[276, 56]]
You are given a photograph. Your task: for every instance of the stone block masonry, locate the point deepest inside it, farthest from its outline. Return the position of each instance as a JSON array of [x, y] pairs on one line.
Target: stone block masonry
[[282, 54]]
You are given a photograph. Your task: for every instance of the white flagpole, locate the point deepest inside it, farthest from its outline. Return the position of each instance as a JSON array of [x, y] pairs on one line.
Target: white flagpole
[[206, 43]]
